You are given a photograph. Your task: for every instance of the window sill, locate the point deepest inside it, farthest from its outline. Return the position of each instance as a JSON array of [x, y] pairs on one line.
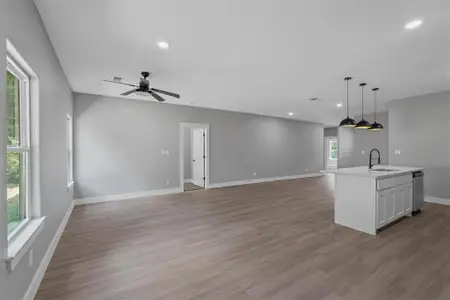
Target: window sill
[[20, 245], [70, 185]]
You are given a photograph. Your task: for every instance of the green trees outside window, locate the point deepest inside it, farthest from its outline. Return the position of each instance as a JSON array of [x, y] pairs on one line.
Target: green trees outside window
[[333, 150], [15, 202]]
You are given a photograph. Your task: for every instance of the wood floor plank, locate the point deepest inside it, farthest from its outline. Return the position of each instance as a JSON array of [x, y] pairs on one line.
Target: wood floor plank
[[263, 241]]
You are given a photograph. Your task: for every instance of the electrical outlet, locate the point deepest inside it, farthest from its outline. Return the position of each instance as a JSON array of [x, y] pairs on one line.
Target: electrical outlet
[[254, 174], [30, 258], [165, 152], [167, 182], [397, 152], [363, 152], [306, 169]]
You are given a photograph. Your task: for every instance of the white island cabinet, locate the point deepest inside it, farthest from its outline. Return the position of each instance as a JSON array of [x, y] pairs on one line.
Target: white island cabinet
[[367, 200]]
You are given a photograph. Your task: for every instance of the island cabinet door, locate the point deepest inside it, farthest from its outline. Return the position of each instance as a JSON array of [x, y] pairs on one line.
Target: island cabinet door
[[390, 206], [399, 200], [407, 198], [385, 207], [381, 209]]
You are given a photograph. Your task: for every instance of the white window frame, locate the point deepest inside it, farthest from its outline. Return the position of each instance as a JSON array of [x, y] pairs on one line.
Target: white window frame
[[330, 142], [69, 145], [20, 240], [24, 146]]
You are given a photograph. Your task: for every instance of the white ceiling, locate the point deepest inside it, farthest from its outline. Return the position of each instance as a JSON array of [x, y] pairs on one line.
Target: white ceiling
[[259, 56]]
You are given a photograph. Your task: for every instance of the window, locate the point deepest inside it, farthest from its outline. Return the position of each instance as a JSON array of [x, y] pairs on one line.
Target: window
[[18, 147], [333, 151], [69, 143], [23, 215]]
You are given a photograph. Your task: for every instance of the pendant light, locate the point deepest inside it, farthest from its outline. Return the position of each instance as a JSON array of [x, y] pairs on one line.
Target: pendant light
[[363, 124], [375, 125], [347, 122]]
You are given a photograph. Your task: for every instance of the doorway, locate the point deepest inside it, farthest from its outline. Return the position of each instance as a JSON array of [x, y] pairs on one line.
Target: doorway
[[331, 152], [194, 156]]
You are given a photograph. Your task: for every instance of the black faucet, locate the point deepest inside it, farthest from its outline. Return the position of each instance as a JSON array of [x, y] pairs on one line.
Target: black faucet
[[370, 158]]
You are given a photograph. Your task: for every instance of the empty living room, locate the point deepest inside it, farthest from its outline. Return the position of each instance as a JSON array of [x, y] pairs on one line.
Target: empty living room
[[225, 150]]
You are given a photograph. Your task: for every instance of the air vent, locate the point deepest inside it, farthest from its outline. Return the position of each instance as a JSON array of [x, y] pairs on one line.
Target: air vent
[[118, 79], [313, 99]]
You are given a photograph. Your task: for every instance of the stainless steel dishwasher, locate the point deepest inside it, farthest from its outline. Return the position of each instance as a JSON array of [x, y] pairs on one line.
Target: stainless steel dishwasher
[[418, 192]]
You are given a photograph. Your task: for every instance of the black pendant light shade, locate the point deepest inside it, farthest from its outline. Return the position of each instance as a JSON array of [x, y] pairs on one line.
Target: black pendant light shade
[[375, 125], [347, 122], [363, 124]]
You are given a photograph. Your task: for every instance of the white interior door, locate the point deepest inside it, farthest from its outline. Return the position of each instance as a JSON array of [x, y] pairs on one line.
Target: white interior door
[[331, 153], [198, 157]]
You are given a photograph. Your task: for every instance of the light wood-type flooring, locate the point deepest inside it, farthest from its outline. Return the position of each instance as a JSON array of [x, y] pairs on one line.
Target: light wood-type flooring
[[263, 241], [188, 186]]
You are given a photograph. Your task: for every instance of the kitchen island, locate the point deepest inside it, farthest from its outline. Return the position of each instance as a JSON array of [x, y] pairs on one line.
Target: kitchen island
[[369, 199]]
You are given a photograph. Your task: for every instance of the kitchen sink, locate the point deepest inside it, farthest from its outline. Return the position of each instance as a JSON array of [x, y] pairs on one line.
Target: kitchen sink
[[384, 170]]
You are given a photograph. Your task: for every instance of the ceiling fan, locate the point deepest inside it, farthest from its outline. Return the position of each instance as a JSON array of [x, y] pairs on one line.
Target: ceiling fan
[[143, 89]]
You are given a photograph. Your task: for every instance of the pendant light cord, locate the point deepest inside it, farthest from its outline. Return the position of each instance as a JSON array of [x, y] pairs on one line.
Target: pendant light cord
[[375, 103], [347, 97], [346, 81], [362, 100]]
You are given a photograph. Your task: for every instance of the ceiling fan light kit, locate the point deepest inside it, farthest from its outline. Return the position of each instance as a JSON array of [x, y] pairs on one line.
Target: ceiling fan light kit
[[143, 89], [347, 122]]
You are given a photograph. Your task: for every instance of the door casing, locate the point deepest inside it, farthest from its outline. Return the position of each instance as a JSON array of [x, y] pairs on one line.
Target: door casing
[[326, 150], [198, 154], [204, 126]]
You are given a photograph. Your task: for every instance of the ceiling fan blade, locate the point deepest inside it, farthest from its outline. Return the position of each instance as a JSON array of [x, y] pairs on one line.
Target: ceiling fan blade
[[119, 82], [157, 97], [127, 93], [166, 93]]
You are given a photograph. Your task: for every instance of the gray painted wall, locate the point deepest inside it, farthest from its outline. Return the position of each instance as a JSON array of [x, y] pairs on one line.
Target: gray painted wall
[[187, 153], [330, 131], [367, 140], [118, 145], [346, 144], [419, 128], [25, 30]]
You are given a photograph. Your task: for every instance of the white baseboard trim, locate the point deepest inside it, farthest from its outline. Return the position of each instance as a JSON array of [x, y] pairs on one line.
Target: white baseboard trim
[[37, 279], [436, 200], [130, 196], [127, 196], [261, 180], [188, 180]]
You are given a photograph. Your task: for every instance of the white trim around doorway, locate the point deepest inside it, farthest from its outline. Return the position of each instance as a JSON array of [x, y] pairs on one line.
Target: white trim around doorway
[[184, 125], [325, 151]]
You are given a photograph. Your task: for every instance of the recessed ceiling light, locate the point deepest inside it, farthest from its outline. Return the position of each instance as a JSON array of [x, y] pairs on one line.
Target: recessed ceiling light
[[291, 113], [163, 45], [339, 105], [413, 24]]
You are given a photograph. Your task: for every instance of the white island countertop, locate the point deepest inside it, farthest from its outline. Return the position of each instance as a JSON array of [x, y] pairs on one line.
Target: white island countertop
[[363, 171]]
